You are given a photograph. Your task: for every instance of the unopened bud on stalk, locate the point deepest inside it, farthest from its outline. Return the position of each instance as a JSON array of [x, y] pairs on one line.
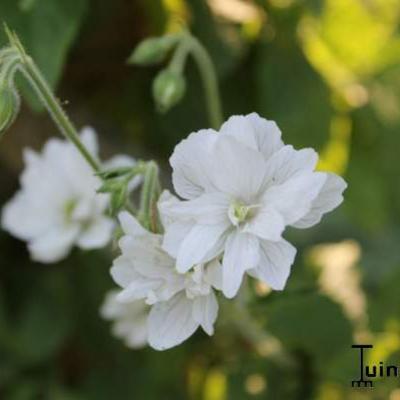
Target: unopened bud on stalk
[[168, 89], [118, 199], [153, 50], [9, 106], [118, 190]]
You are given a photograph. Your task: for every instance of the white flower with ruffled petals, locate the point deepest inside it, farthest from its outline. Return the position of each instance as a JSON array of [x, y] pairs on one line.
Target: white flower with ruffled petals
[[129, 319], [180, 303], [57, 206], [242, 187]]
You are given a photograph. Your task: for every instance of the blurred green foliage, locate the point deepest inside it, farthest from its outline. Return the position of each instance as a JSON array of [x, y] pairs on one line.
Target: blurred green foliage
[[328, 71], [48, 28]]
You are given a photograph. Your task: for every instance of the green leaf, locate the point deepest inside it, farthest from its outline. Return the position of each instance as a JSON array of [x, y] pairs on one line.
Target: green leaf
[[47, 29], [291, 93], [384, 302], [24, 390], [42, 329], [310, 324], [38, 328]]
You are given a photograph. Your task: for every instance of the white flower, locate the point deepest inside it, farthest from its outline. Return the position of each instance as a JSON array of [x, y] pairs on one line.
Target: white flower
[[57, 206], [242, 187], [180, 302], [129, 319]]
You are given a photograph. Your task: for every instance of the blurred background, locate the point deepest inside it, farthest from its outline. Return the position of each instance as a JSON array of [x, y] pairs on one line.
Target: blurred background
[[328, 71]]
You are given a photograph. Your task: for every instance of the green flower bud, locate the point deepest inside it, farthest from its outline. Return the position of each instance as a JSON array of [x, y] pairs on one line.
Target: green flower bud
[[118, 190], [9, 106], [168, 89], [118, 199], [110, 186], [153, 50]]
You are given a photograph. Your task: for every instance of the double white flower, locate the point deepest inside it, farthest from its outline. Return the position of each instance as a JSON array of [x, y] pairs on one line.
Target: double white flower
[[57, 206], [242, 187], [180, 303]]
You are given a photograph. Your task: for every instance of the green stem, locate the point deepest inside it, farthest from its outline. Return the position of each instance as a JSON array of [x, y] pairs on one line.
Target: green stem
[[209, 78], [42, 89], [53, 106], [180, 55]]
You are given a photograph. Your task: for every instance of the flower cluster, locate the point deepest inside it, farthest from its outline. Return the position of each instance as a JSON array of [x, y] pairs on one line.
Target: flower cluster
[[57, 206], [178, 303], [239, 189]]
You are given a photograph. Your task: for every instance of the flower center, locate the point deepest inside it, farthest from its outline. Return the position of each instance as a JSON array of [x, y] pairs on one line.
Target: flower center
[[69, 209], [239, 212]]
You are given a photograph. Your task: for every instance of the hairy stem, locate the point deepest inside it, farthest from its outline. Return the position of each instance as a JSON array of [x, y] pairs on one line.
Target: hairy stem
[[26, 65], [178, 60], [54, 108]]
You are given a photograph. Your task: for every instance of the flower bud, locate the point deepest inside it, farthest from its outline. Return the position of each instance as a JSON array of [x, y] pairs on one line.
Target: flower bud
[[118, 190], [118, 199], [110, 186], [153, 50], [9, 106], [168, 89]]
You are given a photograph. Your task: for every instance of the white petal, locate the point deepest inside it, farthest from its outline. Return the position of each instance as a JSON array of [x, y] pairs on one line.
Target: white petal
[[138, 289], [147, 257], [267, 224], [197, 244], [43, 179], [276, 258], [165, 202], [111, 308], [53, 245], [170, 323], [143, 280], [137, 337], [287, 162], [208, 208], [241, 254], [89, 139], [147, 271], [130, 225], [213, 274], [237, 169], [190, 164], [123, 271], [174, 236], [293, 199], [130, 319], [176, 229], [83, 209], [255, 132], [64, 161], [205, 311], [330, 196], [97, 234], [24, 218]]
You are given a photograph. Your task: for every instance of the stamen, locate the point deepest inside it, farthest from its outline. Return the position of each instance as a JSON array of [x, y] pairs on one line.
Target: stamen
[[239, 212]]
